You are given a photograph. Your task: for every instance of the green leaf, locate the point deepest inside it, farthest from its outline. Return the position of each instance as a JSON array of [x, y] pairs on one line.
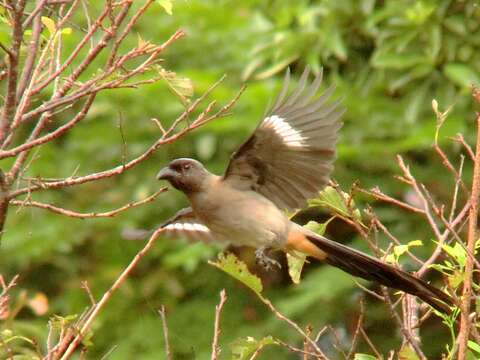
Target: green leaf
[[474, 346], [457, 252], [331, 198], [461, 74], [167, 5], [391, 259], [295, 262], [49, 24], [244, 348], [296, 259], [406, 353], [180, 86], [415, 243], [400, 250], [360, 356], [236, 268], [317, 228], [276, 68], [390, 60]]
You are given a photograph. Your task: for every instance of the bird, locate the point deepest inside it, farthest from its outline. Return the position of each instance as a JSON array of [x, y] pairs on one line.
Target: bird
[[286, 161]]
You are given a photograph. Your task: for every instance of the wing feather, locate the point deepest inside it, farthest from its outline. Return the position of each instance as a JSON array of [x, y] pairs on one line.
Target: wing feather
[[185, 224], [289, 157]]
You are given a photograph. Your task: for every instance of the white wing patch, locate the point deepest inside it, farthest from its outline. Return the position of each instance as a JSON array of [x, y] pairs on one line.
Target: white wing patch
[[289, 135], [187, 227], [189, 230]]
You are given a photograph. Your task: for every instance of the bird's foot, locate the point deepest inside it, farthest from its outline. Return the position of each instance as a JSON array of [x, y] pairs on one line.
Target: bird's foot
[[265, 261]]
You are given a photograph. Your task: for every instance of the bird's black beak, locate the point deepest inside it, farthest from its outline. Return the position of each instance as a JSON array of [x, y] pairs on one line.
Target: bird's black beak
[[165, 174]]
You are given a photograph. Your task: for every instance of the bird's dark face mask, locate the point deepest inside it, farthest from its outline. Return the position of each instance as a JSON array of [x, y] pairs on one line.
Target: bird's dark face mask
[[186, 175]]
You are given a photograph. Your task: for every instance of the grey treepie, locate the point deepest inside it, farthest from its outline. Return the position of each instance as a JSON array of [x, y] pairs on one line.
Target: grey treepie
[[286, 161]]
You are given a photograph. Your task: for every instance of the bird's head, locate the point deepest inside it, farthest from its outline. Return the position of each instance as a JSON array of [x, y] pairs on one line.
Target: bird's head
[[187, 175]]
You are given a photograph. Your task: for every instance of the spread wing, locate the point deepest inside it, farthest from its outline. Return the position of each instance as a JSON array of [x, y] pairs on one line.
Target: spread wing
[[289, 157], [185, 224]]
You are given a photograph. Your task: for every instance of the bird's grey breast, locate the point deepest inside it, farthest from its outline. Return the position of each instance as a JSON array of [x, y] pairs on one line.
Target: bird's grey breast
[[241, 217]]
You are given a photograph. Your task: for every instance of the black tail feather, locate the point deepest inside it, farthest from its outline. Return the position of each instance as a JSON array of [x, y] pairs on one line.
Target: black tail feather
[[366, 267]]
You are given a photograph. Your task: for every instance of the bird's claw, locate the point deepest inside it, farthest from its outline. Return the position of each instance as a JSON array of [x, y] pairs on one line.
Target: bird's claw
[[265, 261]]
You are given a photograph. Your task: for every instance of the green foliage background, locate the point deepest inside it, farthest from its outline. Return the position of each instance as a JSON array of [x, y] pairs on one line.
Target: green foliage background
[[388, 58]]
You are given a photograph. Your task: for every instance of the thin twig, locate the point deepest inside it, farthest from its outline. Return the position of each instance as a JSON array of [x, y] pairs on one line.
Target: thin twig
[[74, 214], [216, 332], [163, 316], [294, 325], [108, 294], [465, 322], [407, 335], [370, 343], [121, 168], [357, 330]]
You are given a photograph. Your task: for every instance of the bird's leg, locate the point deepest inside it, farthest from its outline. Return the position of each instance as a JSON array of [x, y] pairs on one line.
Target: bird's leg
[[264, 260]]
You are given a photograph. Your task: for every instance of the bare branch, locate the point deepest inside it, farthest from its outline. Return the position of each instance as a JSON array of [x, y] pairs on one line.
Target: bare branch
[[216, 333], [53, 135], [108, 294], [163, 316], [89, 215], [12, 71], [295, 326], [32, 48], [121, 168], [465, 322]]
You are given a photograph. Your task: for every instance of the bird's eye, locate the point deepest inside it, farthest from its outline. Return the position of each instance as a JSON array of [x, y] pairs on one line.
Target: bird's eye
[[187, 166]]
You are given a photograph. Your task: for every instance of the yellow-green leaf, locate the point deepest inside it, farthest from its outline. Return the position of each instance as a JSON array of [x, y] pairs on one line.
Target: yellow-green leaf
[[360, 356], [181, 86], [406, 353], [236, 268], [295, 262], [474, 346], [243, 348], [66, 31], [49, 24], [167, 5], [331, 198], [462, 74], [317, 228]]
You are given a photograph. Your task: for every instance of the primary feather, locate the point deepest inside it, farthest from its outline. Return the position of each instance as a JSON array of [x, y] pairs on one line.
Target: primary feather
[[289, 157]]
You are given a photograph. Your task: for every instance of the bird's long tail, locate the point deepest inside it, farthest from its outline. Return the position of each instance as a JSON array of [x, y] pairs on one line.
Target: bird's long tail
[[366, 267]]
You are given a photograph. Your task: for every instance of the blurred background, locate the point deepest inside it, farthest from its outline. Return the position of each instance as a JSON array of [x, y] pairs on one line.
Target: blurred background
[[389, 59]]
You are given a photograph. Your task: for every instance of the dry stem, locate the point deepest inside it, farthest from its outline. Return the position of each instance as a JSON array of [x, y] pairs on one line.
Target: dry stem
[[465, 322]]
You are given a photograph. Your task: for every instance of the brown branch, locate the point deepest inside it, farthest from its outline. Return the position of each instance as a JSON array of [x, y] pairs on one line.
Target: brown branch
[[95, 84], [163, 316], [74, 214], [461, 140], [216, 332], [295, 326], [31, 48], [405, 331], [357, 330], [52, 135], [370, 343], [121, 168], [126, 31], [4, 202], [38, 8], [108, 294], [294, 349], [12, 71], [75, 52], [379, 195], [27, 97], [465, 322]]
